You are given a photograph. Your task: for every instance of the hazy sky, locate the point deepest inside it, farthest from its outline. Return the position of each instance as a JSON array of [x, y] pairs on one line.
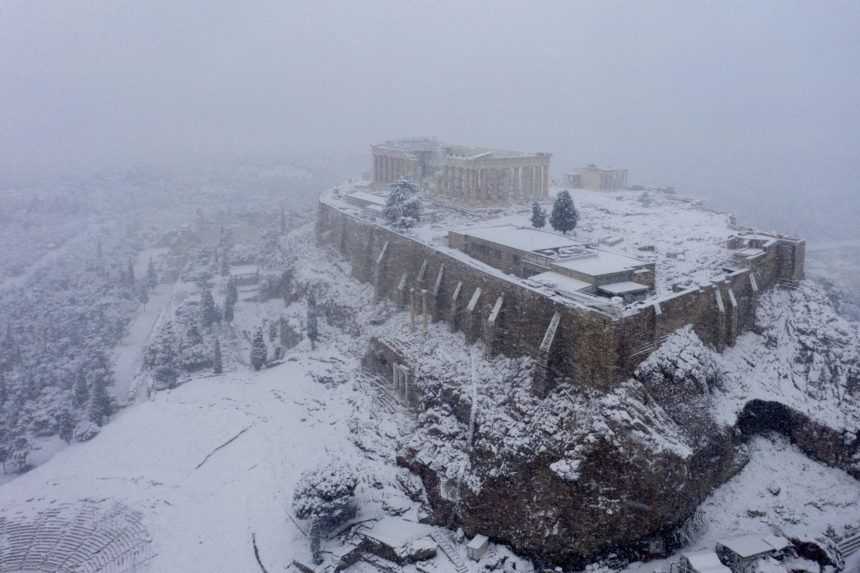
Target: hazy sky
[[695, 93]]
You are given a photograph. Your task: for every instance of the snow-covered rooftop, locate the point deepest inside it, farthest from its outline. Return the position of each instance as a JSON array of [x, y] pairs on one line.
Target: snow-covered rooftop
[[601, 263], [521, 238], [705, 562], [751, 545]]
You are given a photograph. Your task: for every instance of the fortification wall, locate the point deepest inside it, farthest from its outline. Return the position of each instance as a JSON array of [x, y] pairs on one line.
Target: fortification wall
[[583, 345], [580, 344]]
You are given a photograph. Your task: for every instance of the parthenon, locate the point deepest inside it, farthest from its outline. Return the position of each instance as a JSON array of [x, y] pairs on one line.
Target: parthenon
[[463, 174]]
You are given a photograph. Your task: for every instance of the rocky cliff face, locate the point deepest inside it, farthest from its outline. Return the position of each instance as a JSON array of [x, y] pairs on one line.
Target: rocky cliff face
[[581, 473]]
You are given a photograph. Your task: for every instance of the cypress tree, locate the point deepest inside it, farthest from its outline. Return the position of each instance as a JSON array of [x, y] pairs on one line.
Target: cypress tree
[[564, 216], [538, 216], [101, 406], [312, 325], [65, 425], [217, 365], [208, 310], [259, 353], [151, 276], [81, 391]]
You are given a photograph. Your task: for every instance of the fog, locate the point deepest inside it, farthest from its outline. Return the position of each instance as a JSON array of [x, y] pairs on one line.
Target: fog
[[733, 100]]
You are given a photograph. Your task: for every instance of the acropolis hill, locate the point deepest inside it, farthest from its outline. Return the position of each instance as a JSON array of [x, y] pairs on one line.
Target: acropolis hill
[[587, 307]]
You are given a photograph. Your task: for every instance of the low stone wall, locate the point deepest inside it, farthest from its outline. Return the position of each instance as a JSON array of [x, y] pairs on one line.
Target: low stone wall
[[569, 342]]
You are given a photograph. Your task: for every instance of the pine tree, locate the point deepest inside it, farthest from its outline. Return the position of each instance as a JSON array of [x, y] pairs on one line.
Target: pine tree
[[130, 273], [151, 276], [312, 325], [143, 296], [538, 216], [564, 216], [217, 365], [208, 311], [65, 425], [259, 353], [402, 206]]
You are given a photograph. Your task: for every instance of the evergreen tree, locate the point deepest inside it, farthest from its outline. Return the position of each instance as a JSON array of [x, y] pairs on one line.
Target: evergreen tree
[[143, 296], [217, 365], [259, 353], [208, 311], [130, 273], [402, 206], [101, 406], [312, 324], [538, 216], [564, 216], [230, 299], [65, 425], [151, 276], [81, 390], [225, 265], [228, 310]]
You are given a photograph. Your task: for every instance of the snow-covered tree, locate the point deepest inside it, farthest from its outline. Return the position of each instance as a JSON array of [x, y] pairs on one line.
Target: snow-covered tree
[[325, 495], [130, 273], [402, 206], [259, 353], [65, 425], [312, 320], [101, 405], [564, 215], [208, 311], [81, 390], [217, 364], [230, 300], [538, 216], [225, 265], [151, 276]]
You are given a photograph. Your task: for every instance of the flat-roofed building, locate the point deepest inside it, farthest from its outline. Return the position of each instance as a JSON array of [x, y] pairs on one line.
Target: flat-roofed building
[[465, 175], [595, 178], [556, 261]]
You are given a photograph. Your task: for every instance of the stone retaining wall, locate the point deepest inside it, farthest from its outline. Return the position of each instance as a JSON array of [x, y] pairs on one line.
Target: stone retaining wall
[[577, 343]]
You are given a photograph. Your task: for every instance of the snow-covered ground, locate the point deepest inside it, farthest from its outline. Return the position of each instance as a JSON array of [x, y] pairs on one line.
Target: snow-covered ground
[[201, 505], [780, 491], [214, 462]]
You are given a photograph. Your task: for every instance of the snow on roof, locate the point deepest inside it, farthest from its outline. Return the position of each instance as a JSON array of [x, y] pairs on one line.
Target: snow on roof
[[368, 197], [522, 238], [602, 263], [477, 542], [394, 532], [560, 282], [705, 562], [752, 545], [623, 287]]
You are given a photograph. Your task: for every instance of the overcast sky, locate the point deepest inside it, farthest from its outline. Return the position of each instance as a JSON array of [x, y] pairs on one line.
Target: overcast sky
[[690, 93]]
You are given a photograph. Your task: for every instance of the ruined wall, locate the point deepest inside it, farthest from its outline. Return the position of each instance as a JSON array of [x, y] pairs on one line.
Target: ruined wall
[[584, 345]]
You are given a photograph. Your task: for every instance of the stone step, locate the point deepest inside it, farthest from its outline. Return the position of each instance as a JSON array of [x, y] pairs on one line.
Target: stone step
[[450, 551]]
